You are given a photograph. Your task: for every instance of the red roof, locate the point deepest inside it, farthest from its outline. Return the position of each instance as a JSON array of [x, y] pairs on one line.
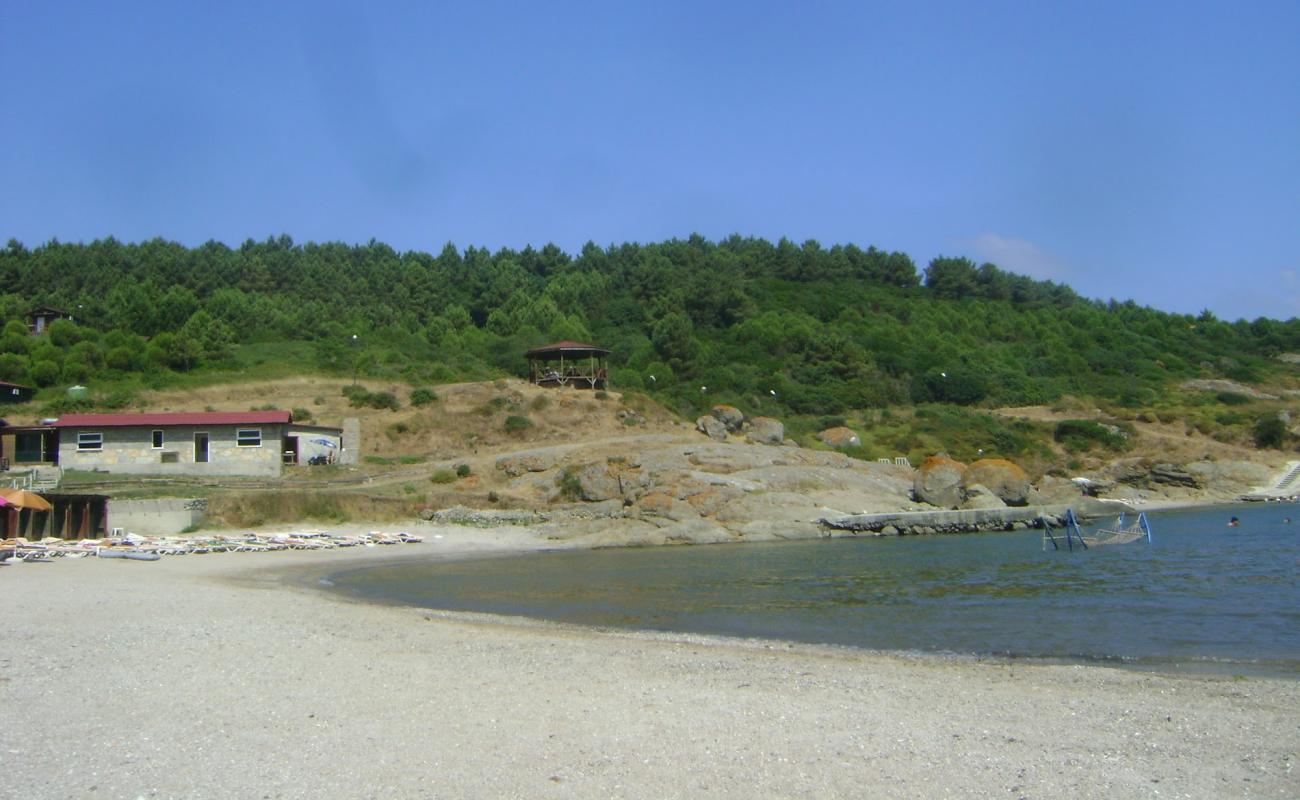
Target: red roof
[[566, 346], [173, 418]]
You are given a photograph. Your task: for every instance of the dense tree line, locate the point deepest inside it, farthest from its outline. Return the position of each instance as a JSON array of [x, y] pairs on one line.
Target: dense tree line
[[794, 327]]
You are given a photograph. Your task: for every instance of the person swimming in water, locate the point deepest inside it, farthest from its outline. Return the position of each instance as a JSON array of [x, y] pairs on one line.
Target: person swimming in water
[[1234, 522]]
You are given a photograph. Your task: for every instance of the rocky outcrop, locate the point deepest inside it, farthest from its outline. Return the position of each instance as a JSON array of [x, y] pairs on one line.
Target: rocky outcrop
[[1052, 490], [840, 437], [938, 482], [765, 430], [729, 416], [1006, 480], [711, 427], [516, 465], [664, 505], [460, 515], [1207, 385], [596, 483], [1170, 475]]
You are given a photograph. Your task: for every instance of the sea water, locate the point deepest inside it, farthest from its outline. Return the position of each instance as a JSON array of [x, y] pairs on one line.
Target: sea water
[[1201, 596]]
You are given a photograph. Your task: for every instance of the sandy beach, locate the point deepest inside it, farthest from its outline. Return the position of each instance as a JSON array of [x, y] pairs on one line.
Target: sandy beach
[[230, 676]]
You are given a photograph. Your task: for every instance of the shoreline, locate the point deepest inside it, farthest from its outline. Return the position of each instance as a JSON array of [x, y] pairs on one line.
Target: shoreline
[[219, 675]]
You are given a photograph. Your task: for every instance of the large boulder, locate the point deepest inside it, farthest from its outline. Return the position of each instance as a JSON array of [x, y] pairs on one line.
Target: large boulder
[[712, 428], [765, 430], [595, 482], [1004, 479], [840, 437], [979, 497], [730, 416], [938, 482]]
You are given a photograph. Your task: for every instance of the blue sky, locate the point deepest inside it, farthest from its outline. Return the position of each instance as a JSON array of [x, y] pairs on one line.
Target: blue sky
[[1132, 150]]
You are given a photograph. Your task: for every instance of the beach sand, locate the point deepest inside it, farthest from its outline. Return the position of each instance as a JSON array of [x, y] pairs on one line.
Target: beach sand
[[227, 675]]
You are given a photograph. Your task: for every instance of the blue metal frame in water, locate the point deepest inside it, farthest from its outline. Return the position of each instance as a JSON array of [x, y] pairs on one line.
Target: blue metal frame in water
[[1073, 534], [1119, 534]]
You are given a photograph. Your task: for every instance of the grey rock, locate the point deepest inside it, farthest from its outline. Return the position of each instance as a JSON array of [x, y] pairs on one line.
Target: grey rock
[[596, 483], [518, 464], [729, 416], [978, 496], [765, 430], [711, 427]]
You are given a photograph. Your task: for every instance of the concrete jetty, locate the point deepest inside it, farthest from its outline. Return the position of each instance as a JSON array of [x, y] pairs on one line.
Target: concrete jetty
[[902, 523]]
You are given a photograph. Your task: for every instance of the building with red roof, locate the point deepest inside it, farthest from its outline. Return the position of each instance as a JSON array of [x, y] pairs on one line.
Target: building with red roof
[[252, 443]]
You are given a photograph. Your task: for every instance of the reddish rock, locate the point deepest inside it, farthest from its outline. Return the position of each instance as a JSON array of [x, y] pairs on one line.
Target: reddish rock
[[840, 437], [938, 482], [1005, 480]]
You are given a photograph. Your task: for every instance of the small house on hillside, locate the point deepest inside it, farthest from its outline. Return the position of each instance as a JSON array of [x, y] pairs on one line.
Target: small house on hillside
[[582, 366], [15, 393], [39, 319], [251, 443]]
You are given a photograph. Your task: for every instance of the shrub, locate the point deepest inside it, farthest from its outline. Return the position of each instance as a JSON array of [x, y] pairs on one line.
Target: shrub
[[1270, 431], [301, 415], [462, 470], [359, 397], [516, 424], [569, 485], [443, 476], [410, 460], [319, 400], [384, 400], [45, 373], [423, 396], [1083, 434], [539, 403], [601, 394], [380, 460]]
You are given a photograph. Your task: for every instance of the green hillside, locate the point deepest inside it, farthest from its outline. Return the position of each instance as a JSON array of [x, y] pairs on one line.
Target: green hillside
[[796, 330]]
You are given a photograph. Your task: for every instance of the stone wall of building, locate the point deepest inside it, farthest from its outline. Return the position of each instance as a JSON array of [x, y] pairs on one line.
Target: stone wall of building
[[130, 450]]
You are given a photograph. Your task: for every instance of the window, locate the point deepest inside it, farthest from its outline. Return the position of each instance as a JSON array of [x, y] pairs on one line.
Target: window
[[248, 437], [87, 442], [157, 440]]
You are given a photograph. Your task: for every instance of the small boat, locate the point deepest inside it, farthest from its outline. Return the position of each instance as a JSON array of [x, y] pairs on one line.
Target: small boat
[[135, 555]]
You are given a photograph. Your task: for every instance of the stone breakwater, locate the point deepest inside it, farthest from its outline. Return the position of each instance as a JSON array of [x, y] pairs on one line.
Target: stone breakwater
[[969, 521]]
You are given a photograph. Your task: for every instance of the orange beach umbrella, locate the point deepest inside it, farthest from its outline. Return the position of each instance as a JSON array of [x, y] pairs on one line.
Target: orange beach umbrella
[[21, 498]]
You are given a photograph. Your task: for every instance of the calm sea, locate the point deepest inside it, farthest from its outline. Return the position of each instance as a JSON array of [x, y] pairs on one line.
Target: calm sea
[[1201, 597]]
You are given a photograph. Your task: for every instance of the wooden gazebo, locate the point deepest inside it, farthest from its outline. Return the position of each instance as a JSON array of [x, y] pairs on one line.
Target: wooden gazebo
[[582, 366]]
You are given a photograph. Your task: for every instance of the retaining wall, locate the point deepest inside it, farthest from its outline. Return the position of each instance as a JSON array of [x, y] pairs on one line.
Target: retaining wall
[[155, 517]]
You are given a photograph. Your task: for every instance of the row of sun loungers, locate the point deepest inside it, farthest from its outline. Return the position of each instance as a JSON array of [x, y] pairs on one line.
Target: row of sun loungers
[[49, 548]]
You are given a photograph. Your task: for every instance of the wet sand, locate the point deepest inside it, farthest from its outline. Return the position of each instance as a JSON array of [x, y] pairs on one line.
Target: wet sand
[[228, 675]]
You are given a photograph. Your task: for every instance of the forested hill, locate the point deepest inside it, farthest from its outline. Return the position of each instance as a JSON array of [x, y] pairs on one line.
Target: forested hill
[[810, 329]]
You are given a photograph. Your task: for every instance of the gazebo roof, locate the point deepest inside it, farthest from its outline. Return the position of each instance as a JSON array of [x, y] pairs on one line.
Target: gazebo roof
[[567, 348]]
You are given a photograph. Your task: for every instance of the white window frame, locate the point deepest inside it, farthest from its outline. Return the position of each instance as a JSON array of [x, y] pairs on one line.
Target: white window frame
[[90, 442], [240, 435], [157, 438]]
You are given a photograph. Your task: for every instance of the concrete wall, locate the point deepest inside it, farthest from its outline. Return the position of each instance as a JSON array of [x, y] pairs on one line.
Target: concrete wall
[[155, 517], [310, 443], [351, 441], [130, 450]]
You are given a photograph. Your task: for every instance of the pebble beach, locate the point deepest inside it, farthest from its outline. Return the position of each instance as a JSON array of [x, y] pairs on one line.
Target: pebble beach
[[235, 675]]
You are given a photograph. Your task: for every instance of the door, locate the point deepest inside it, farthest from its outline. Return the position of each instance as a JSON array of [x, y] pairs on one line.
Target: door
[[200, 448]]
